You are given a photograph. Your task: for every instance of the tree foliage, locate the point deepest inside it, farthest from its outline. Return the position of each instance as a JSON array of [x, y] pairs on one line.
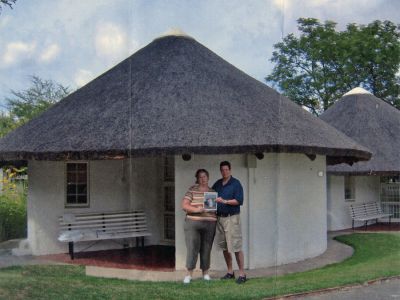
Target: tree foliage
[[318, 67], [13, 204], [27, 104], [7, 123], [8, 3]]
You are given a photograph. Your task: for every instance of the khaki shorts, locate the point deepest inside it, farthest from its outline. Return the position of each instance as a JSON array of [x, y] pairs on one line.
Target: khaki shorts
[[229, 233]]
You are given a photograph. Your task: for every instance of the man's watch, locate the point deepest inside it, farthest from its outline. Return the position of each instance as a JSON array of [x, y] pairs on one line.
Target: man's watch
[[225, 201]]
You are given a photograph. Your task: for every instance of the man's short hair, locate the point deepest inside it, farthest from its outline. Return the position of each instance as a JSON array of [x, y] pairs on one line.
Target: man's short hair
[[225, 163]]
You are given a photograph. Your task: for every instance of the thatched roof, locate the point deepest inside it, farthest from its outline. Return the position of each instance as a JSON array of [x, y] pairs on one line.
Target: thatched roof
[[175, 96], [373, 123]]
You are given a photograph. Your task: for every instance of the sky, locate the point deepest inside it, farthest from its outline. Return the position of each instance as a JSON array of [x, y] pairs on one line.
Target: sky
[[74, 41]]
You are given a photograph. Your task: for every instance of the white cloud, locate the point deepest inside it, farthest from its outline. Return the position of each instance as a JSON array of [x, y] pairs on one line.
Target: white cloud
[[82, 77], [111, 42], [254, 19], [17, 51], [50, 53]]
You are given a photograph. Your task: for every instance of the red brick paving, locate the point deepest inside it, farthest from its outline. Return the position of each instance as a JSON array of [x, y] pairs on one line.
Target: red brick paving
[[376, 227], [151, 258], [382, 227]]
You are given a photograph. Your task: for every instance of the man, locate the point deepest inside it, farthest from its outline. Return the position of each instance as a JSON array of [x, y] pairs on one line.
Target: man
[[229, 231]]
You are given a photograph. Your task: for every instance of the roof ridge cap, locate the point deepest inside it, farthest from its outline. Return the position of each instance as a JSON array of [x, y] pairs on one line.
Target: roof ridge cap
[[177, 32]]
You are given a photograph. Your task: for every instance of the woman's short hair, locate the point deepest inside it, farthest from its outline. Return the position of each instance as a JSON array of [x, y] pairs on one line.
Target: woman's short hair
[[199, 171]]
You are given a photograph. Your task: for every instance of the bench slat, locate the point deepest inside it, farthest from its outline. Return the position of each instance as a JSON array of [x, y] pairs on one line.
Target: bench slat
[[105, 228], [123, 228], [105, 216], [105, 221], [80, 226], [119, 236]]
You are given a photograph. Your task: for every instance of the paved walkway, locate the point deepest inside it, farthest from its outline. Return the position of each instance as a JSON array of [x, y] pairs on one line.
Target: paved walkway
[[8, 260], [387, 289]]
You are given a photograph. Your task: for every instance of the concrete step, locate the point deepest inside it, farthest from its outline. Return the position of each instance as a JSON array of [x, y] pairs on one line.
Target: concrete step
[[10, 244], [4, 252]]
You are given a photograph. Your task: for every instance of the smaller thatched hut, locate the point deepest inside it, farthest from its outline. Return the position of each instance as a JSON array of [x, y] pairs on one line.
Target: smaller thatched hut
[[375, 124]]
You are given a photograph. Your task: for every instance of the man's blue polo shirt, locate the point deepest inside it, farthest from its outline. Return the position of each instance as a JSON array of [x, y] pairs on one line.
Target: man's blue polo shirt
[[231, 190]]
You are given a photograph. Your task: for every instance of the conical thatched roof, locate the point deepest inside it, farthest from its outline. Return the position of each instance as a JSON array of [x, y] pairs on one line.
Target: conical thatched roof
[[373, 123], [175, 96]]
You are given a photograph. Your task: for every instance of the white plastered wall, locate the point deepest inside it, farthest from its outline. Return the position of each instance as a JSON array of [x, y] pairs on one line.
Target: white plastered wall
[[366, 190], [284, 212], [301, 220], [280, 193], [113, 184], [146, 193]]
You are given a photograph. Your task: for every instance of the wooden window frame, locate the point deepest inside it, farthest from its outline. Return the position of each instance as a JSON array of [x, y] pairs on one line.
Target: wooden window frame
[[77, 205]]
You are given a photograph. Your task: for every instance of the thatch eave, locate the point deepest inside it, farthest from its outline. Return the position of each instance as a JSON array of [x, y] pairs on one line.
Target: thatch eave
[[364, 173], [334, 156]]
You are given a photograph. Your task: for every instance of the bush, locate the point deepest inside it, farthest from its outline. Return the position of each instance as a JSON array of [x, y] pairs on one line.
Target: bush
[[13, 222]]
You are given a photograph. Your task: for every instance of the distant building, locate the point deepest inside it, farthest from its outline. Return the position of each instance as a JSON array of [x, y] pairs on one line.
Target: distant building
[[374, 124]]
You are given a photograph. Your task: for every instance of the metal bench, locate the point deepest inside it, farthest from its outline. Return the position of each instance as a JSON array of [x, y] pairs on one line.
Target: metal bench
[[102, 226], [365, 212]]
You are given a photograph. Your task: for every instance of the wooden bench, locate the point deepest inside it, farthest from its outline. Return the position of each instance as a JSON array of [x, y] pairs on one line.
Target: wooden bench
[[365, 212], [102, 226]]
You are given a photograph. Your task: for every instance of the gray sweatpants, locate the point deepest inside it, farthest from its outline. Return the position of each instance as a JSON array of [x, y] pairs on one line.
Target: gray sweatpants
[[199, 237]]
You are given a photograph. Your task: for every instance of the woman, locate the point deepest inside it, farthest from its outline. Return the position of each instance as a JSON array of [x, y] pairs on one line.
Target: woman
[[199, 226]]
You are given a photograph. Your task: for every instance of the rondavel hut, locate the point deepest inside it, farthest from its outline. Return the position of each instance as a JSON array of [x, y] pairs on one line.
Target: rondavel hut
[[133, 138], [375, 124]]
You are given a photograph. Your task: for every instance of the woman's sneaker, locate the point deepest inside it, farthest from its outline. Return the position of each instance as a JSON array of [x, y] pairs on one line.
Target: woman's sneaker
[[207, 277], [187, 279]]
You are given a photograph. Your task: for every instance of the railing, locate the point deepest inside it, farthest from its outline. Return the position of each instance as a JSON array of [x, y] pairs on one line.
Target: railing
[[391, 208], [390, 198]]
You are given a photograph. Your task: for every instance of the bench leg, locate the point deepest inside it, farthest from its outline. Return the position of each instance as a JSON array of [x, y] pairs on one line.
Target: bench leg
[[352, 224], [366, 223], [71, 249], [142, 241]]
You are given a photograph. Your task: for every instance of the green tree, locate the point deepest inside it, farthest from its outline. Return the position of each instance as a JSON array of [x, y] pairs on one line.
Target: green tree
[[8, 3], [27, 104], [7, 123], [318, 67]]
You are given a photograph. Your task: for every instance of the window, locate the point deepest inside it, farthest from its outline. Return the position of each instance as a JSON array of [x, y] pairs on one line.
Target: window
[[169, 227], [169, 199], [349, 188], [169, 169], [77, 185]]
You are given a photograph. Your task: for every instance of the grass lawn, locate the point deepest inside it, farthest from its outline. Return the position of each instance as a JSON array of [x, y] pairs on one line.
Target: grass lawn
[[376, 255]]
